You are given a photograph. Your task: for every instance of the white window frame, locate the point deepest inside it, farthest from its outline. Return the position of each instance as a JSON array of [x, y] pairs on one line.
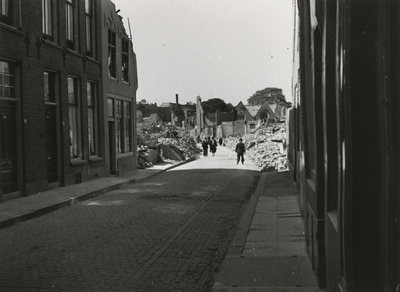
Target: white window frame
[[47, 18], [89, 25], [93, 124], [74, 118], [70, 23], [127, 138]]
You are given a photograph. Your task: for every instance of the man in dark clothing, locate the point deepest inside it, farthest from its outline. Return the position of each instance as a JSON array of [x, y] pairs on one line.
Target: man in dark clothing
[[240, 150], [213, 146], [205, 147]]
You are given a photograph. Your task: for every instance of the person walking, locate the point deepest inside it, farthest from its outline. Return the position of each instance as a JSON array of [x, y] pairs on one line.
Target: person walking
[[240, 150], [213, 146], [204, 144]]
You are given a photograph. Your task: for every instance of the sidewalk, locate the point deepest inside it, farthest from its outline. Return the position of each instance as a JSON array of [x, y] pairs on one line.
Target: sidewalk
[[25, 208], [267, 253]]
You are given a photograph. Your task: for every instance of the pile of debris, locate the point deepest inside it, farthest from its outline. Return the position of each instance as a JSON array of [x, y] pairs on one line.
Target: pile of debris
[[266, 147], [160, 142]]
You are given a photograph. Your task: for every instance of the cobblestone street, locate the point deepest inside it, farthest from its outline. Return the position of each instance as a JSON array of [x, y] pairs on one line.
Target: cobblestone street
[[167, 233]]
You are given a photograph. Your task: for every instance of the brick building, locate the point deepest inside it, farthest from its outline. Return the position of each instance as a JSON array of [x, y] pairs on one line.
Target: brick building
[[120, 83], [52, 99]]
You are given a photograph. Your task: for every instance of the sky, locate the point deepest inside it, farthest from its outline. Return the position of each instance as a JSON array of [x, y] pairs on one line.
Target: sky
[[225, 49]]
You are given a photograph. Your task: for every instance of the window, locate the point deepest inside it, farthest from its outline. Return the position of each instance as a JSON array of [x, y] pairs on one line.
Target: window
[[47, 20], [51, 117], [240, 116], [119, 118], [125, 59], [92, 118], [75, 149], [6, 11], [88, 15], [127, 126], [123, 126], [110, 108], [70, 15], [264, 115], [111, 54], [7, 80]]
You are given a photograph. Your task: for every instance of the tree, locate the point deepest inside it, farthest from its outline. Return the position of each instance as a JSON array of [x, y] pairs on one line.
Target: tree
[[144, 103], [211, 105], [269, 94]]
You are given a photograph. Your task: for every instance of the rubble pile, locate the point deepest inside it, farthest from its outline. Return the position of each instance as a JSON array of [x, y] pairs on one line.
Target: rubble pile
[[266, 147], [186, 145], [159, 142]]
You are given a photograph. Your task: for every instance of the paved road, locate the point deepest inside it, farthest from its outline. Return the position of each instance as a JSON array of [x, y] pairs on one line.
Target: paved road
[[167, 233]]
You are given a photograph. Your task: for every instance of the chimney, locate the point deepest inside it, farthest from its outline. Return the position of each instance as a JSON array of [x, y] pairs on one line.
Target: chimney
[[177, 99]]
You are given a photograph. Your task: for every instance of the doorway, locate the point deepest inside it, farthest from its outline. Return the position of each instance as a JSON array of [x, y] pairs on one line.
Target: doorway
[[8, 149], [51, 144]]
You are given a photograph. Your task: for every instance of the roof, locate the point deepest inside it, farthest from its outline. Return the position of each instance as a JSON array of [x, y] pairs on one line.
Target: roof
[[166, 104], [253, 109]]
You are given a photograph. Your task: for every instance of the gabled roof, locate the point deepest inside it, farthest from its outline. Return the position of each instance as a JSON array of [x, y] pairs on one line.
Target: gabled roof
[[253, 109]]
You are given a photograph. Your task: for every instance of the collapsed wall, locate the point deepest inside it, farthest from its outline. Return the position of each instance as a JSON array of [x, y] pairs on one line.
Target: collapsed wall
[[168, 143]]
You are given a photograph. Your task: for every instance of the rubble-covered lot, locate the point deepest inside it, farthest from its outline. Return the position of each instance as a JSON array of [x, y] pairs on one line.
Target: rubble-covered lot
[[168, 142], [266, 147]]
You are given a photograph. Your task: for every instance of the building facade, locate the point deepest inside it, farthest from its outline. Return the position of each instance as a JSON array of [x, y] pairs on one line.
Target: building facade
[[51, 95], [344, 138], [120, 83]]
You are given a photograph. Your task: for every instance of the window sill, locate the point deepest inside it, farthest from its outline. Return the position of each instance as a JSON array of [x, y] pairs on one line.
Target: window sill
[[11, 28], [51, 44], [77, 162], [95, 159], [112, 78], [93, 60], [125, 82], [72, 52]]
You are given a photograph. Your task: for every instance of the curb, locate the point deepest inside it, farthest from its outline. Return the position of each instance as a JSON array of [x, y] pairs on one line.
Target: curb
[[90, 195]]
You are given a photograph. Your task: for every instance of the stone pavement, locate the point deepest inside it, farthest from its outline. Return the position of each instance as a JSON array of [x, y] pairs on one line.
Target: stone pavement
[[267, 253], [25, 208]]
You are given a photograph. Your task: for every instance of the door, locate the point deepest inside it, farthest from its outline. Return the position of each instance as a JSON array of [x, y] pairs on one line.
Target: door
[[51, 144], [8, 149]]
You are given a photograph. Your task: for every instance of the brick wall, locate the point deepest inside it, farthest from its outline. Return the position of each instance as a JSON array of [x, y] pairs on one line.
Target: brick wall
[[23, 43]]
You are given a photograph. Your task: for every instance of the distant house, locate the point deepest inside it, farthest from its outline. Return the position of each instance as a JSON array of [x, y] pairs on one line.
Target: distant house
[[266, 111], [163, 112], [246, 119], [178, 114]]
